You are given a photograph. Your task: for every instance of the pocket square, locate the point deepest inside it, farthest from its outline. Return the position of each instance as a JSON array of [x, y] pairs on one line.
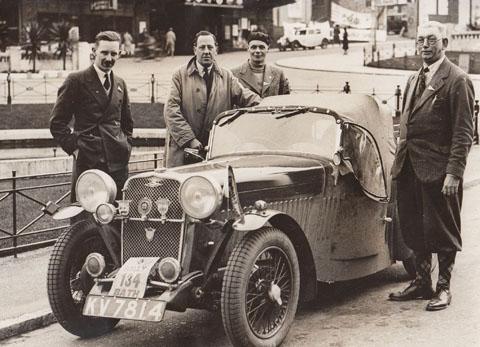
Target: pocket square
[[430, 88]]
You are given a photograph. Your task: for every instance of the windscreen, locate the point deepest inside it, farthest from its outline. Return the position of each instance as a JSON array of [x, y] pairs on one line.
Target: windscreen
[[307, 133]]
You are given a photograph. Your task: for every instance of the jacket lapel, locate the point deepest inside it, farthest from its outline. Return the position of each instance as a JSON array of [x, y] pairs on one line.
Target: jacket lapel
[[248, 78], [436, 83], [268, 79], [95, 88]]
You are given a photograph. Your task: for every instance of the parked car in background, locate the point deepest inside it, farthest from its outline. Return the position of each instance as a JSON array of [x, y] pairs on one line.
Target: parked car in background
[[316, 34], [301, 197]]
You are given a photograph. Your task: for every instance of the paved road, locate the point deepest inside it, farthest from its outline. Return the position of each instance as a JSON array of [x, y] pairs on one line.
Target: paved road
[[347, 314]]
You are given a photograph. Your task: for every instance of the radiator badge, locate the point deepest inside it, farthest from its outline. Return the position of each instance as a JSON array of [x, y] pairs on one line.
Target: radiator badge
[[150, 233], [154, 182], [162, 206], [144, 207]]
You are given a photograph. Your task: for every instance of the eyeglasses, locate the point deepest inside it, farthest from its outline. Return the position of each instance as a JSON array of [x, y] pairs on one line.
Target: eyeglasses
[[431, 40]]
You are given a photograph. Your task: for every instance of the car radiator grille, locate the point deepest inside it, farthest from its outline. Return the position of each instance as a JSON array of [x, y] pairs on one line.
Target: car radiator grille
[[168, 236]]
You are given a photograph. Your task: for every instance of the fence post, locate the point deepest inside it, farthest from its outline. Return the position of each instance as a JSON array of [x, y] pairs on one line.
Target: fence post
[[405, 58], [346, 88], [475, 134], [155, 159], [378, 58], [364, 57], [14, 212], [318, 89], [45, 86], [398, 94], [393, 50], [152, 81], [9, 91]]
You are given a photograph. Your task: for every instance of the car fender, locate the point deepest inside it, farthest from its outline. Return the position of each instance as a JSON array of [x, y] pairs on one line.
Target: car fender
[[254, 220]]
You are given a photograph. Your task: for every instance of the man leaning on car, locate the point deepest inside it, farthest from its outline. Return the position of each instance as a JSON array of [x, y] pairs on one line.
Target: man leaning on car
[[436, 132], [200, 90], [256, 74]]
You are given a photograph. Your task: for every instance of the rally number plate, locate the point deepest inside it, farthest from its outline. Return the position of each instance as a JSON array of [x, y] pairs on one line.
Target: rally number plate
[[122, 308]]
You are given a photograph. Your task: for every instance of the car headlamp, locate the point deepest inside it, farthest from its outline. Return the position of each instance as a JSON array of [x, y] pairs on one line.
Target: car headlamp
[[105, 213], [95, 187], [200, 196]]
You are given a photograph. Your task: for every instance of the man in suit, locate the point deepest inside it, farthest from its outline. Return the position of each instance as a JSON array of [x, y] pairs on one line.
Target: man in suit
[[436, 133], [200, 91], [98, 102], [256, 74]]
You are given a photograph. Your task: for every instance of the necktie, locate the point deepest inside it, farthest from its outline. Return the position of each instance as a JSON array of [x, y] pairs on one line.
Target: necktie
[[208, 82], [421, 82], [106, 84]]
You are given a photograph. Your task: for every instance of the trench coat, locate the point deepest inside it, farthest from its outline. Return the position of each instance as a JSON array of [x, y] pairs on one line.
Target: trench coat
[[103, 126], [274, 83], [189, 114], [436, 133]]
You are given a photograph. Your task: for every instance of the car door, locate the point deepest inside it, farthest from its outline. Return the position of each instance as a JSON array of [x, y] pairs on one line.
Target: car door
[[361, 225]]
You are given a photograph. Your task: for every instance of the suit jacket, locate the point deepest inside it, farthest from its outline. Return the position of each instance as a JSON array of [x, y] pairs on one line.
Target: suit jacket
[[275, 82], [437, 129], [103, 126], [189, 114]]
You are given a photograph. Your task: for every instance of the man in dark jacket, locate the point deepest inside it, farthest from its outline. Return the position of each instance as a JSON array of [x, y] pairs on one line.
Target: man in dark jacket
[[256, 74], [98, 101], [436, 132]]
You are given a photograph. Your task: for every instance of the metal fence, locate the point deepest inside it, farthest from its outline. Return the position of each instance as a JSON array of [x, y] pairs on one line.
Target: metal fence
[[44, 89], [14, 188], [372, 54]]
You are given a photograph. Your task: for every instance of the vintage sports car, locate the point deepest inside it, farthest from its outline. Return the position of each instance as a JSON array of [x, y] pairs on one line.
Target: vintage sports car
[[291, 192]]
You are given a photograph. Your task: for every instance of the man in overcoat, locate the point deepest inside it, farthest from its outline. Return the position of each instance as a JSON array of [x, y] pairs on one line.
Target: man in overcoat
[[436, 132], [98, 102], [199, 92], [258, 76]]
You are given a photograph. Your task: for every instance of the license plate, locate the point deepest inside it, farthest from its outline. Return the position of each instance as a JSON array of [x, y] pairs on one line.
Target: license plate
[[121, 308]]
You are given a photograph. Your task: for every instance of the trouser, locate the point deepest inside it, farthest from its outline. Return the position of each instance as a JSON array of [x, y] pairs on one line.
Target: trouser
[[423, 262]]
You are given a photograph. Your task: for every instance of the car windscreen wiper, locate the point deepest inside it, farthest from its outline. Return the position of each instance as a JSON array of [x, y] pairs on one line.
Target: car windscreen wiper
[[233, 117], [293, 113]]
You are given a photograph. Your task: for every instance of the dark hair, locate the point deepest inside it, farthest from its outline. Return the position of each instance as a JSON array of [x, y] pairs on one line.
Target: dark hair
[[107, 36], [204, 33], [259, 36]]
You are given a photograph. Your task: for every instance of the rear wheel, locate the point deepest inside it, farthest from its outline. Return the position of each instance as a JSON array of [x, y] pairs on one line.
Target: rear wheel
[[68, 285], [260, 289], [296, 45], [324, 44]]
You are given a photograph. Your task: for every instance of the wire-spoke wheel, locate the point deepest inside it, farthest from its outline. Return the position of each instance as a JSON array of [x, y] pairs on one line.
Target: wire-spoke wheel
[[260, 289], [67, 284]]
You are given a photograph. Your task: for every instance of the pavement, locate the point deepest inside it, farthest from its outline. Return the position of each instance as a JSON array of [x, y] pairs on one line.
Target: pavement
[[23, 293]]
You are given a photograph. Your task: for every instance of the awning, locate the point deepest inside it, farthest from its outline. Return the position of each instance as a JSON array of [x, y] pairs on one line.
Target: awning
[[238, 4]]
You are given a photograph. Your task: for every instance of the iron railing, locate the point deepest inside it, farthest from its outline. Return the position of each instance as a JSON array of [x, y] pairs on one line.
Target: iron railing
[[14, 232]]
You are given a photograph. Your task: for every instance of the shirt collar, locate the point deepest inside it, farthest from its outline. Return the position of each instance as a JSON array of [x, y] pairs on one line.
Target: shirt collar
[[432, 68], [200, 68], [101, 74]]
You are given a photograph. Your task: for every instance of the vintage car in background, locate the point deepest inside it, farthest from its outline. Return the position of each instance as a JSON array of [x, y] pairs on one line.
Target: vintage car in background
[[292, 192], [296, 37]]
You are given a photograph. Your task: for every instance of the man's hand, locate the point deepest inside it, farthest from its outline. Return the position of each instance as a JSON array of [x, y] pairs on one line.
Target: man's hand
[[195, 144], [450, 185]]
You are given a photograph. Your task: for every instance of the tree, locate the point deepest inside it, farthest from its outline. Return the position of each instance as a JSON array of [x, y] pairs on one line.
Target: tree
[[59, 33], [34, 34]]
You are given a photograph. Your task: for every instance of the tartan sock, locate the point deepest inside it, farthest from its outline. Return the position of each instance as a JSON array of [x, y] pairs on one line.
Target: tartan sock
[[446, 260], [423, 264]]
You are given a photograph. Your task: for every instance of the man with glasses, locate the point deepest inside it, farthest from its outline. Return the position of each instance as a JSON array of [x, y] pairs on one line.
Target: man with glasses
[[256, 74], [199, 92], [436, 133]]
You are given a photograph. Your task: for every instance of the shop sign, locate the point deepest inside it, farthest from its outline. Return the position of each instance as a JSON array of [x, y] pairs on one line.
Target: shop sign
[[216, 3], [99, 5], [345, 17]]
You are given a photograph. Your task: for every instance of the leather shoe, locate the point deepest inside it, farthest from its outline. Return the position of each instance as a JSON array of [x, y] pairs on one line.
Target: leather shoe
[[414, 291], [440, 300]]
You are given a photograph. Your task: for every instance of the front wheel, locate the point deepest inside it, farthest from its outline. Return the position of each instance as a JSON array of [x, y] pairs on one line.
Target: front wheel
[[260, 289], [68, 285], [324, 44]]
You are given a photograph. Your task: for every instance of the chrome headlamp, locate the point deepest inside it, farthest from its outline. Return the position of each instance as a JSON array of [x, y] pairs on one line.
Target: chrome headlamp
[[95, 187], [105, 213], [200, 196]]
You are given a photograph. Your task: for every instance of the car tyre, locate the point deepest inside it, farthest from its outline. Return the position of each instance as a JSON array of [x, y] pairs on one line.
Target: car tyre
[[66, 289], [261, 285], [324, 44], [296, 45]]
